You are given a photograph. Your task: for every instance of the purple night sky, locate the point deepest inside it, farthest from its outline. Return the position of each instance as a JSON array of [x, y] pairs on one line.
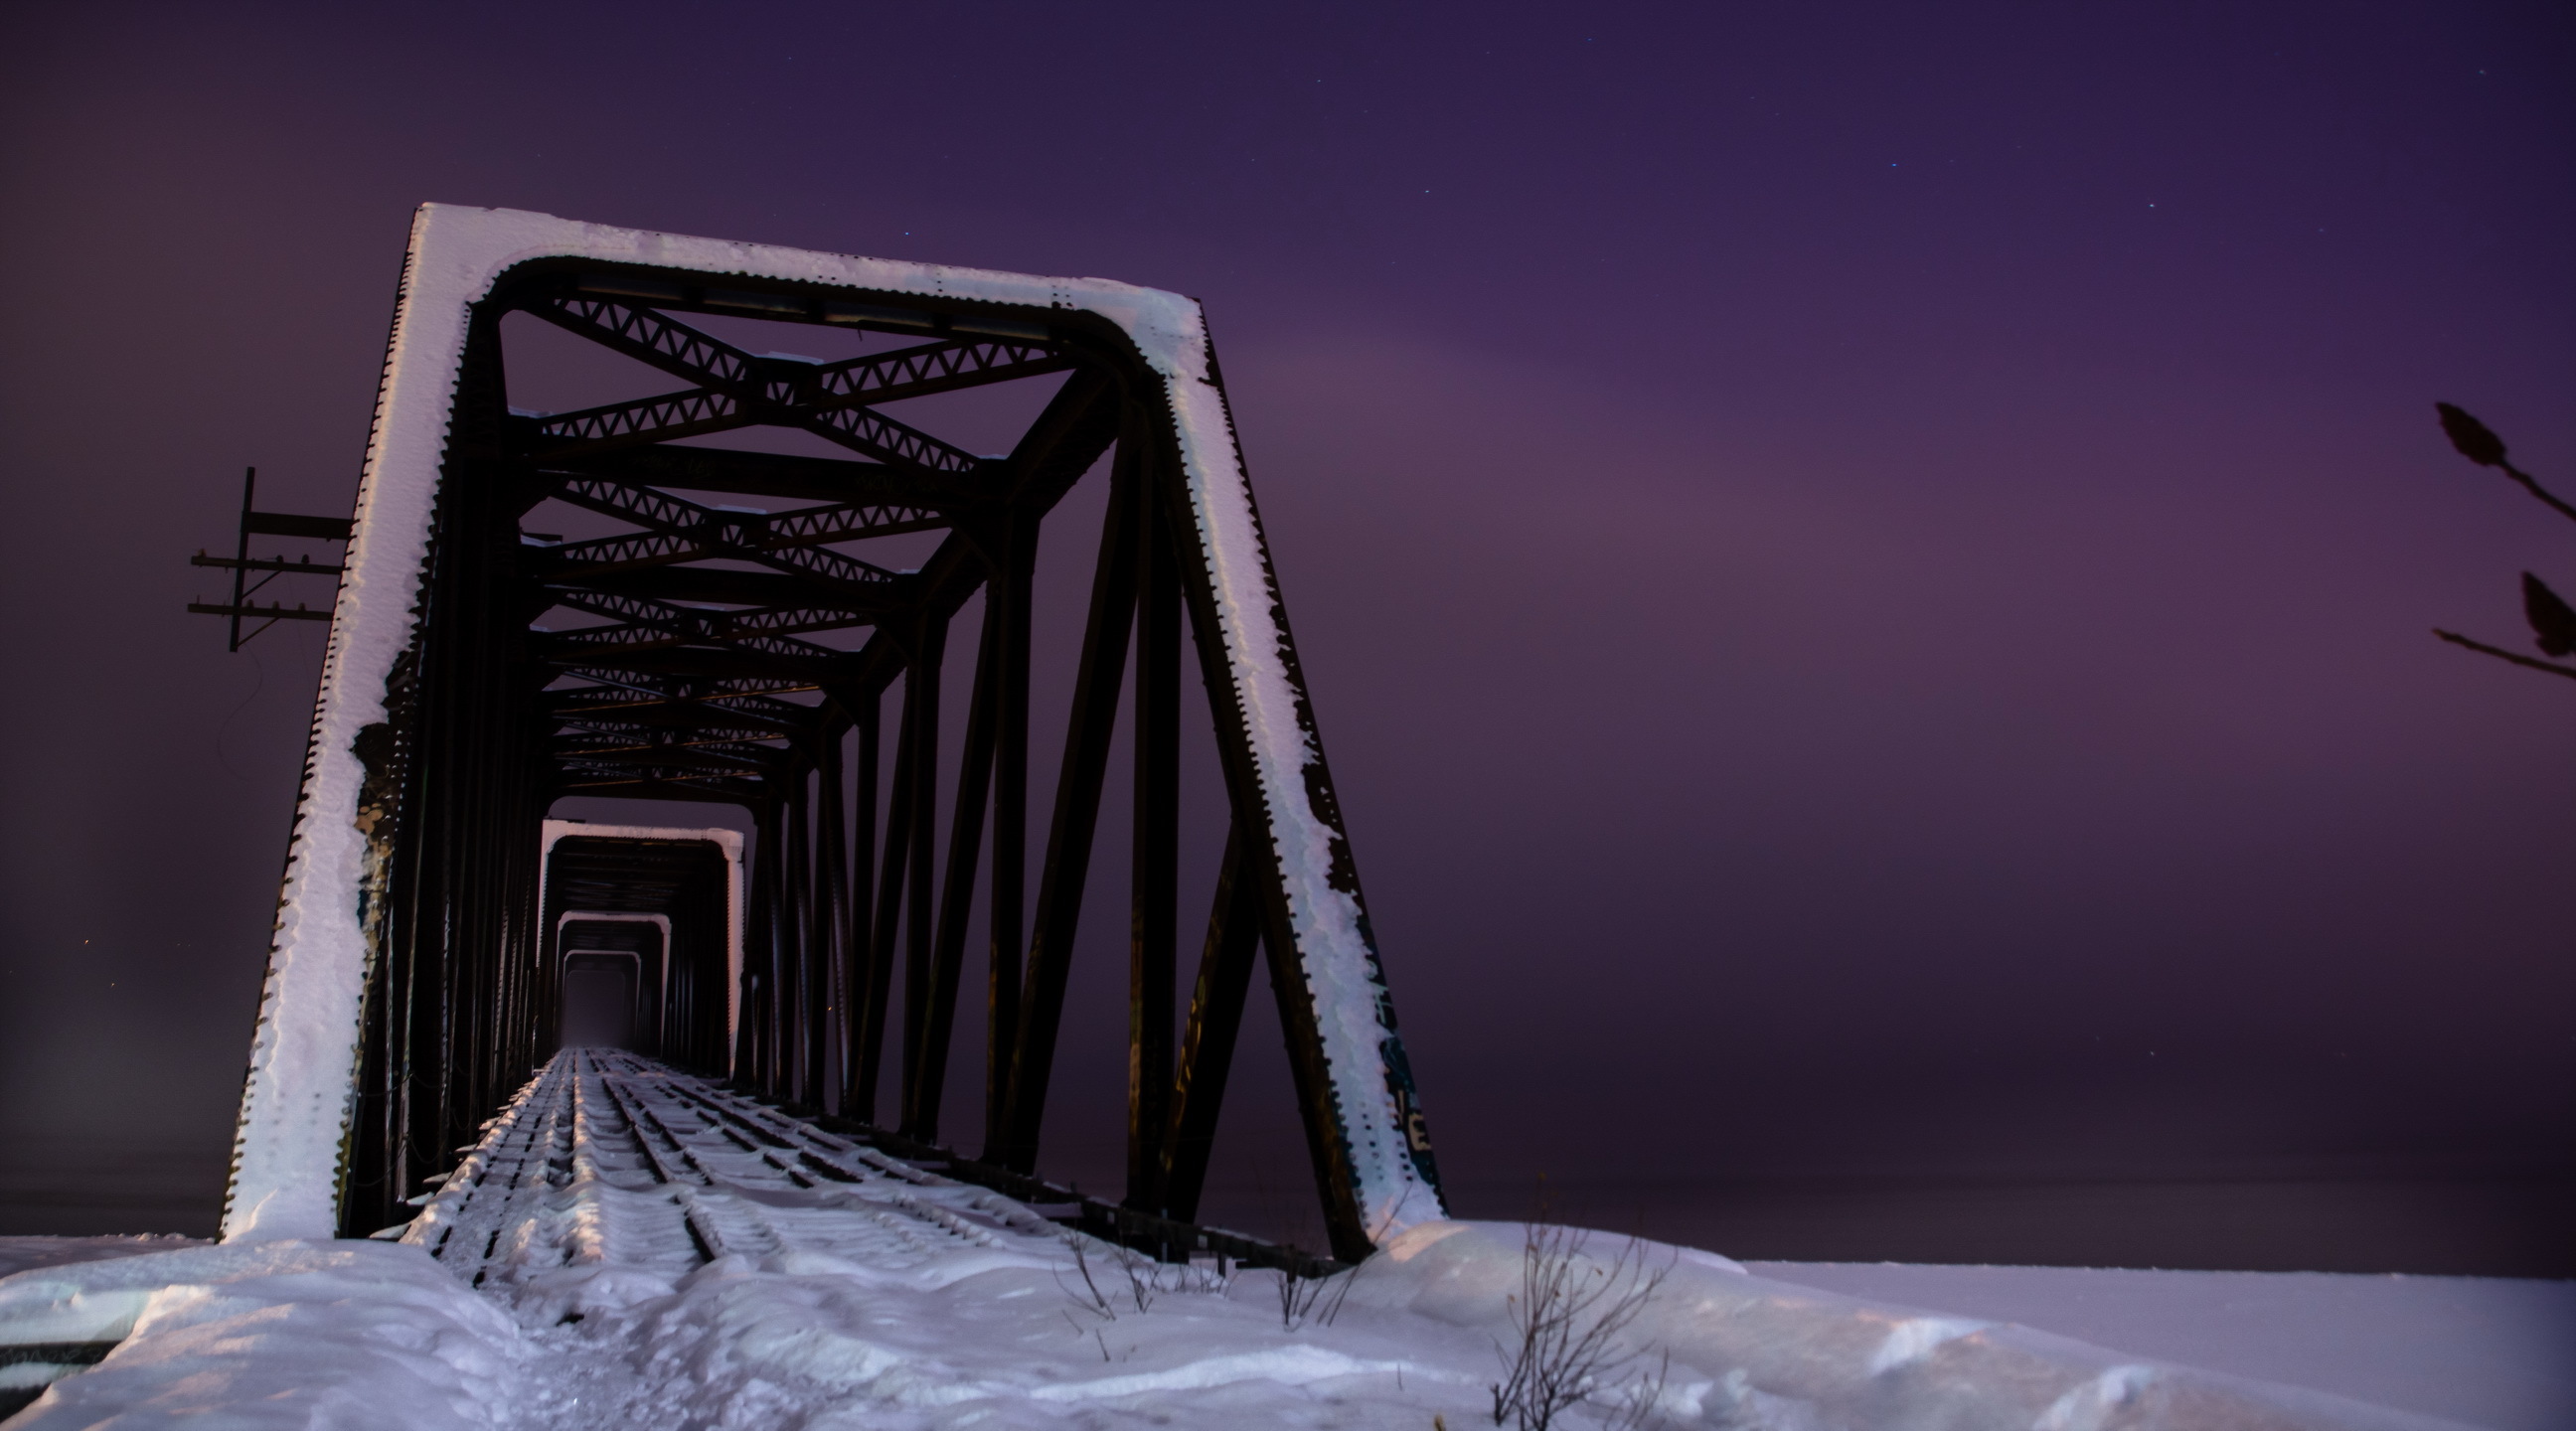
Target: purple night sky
[[1867, 570]]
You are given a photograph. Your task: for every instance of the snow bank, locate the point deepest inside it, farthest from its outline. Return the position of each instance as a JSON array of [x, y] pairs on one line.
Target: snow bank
[[1748, 1352], [17, 1254], [796, 1340], [2495, 1351], [629, 1247], [377, 1335], [303, 1335], [824, 1343]]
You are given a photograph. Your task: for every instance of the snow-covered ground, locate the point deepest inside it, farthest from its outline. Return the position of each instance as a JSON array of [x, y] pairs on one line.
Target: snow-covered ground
[[2491, 1351], [636, 1250]]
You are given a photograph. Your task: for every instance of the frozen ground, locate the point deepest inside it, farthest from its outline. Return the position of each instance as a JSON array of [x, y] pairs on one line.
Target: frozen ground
[[635, 1250], [2491, 1351]]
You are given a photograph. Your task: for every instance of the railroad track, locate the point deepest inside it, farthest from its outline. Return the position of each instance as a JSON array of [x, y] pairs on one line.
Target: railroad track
[[606, 1157]]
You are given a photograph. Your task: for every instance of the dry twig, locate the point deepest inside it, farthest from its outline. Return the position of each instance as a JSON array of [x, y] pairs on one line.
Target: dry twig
[[2552, 620], [1567, 1322], [1300, 1296]]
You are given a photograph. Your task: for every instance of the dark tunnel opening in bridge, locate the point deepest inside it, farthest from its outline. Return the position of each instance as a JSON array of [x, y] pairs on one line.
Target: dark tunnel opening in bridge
[[645, 925]]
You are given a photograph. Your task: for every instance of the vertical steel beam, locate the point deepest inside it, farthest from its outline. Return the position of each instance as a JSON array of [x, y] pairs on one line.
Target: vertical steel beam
[[775, 967], [795, 944], [744, 1056], [1008, 593], [889, 913], [758, 1064], [957, 895], [1154, 882], [921, 693], [1216, 1018], [857, 1050], [832, 917], [1077, 812]]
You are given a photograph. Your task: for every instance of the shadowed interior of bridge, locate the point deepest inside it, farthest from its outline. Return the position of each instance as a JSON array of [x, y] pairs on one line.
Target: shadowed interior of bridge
[[640, 929]]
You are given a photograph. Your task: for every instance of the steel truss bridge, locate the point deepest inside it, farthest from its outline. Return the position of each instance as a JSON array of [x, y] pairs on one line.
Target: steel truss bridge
[[729, 637]]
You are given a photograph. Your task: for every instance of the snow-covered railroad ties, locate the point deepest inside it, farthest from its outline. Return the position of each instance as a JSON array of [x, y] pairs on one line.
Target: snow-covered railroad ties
[[607, 1158]]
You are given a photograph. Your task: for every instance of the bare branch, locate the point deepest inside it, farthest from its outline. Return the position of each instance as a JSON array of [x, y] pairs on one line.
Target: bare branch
[[2532, 485], [2552, 667], [1095, 1300], [1568, 1321], [1299, 1296], [2475, 441]]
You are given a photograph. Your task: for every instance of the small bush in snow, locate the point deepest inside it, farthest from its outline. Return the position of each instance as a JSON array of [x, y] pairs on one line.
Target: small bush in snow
[[1090, 1298], [1147, 1279], [1304, 1299], [1567, 1320]]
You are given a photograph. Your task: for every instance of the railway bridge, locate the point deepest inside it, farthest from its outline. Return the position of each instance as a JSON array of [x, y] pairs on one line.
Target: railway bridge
[[745, 589]]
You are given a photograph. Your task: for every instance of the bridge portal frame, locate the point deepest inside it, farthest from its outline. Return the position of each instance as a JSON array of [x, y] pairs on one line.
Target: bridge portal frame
[[1288, 883]]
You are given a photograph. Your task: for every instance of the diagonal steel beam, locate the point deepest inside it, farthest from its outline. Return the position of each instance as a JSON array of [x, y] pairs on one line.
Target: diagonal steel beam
[[731, 531], [926, 369], [627, 697], [649, 337], [767, 474], [727, 534], [706, 761], [663, 418], [705, 662], [818, 598], [607, 744], [670, 787], [673, 624], [737, 389]]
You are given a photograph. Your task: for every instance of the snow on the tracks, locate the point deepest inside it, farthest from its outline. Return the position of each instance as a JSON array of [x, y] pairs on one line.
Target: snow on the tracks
[[630, 1248]]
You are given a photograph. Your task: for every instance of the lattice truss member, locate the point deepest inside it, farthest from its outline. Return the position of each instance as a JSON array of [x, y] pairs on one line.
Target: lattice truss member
[[661, 597]]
